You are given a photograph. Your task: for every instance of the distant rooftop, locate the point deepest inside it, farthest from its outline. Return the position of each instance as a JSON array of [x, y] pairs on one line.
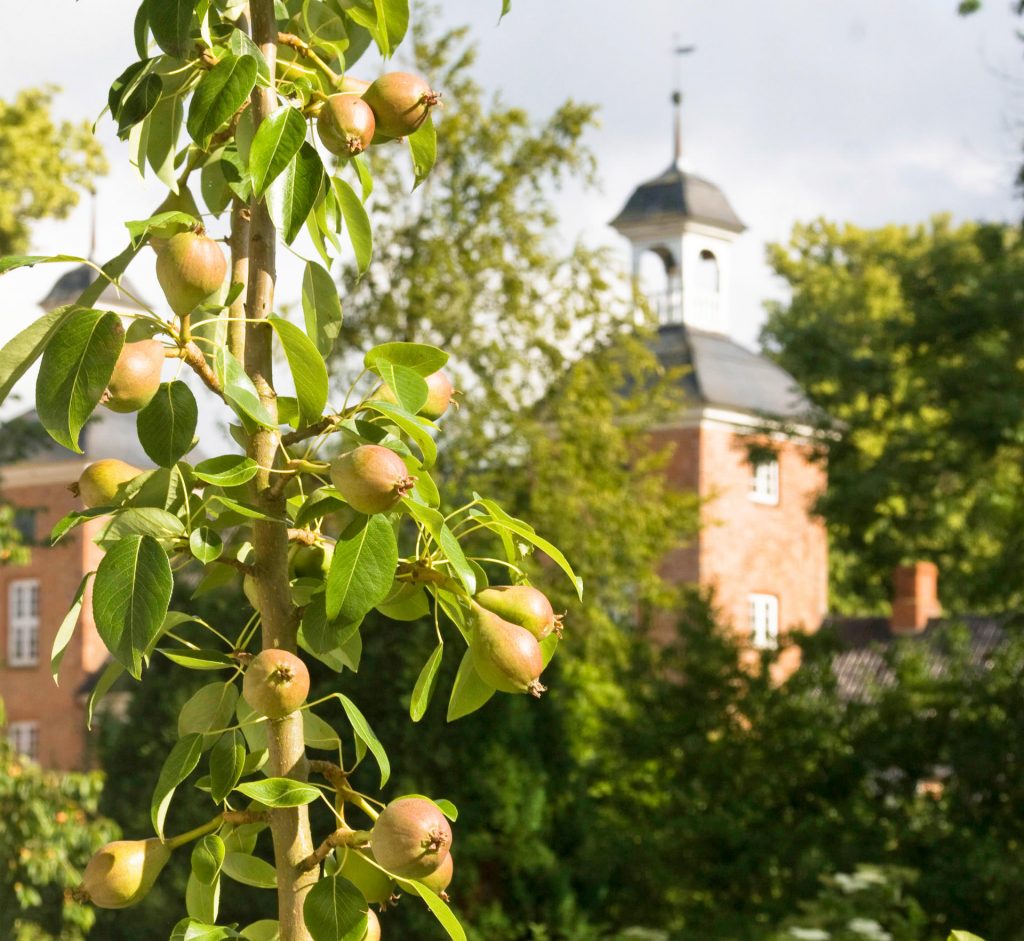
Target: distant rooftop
[[107, 434], [70, 285]]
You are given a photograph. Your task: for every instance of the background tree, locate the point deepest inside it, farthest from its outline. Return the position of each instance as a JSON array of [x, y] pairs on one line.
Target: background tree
[[907, 338]]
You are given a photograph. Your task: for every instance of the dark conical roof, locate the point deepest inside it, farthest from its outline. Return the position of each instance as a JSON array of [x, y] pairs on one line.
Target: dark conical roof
[[70, 285], [677, 194]]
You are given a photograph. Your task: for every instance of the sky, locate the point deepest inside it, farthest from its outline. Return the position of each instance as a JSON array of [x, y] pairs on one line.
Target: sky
[[865, 111]]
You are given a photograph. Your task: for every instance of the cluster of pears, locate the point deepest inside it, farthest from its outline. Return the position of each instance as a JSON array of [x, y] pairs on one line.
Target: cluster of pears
[[365, 113]]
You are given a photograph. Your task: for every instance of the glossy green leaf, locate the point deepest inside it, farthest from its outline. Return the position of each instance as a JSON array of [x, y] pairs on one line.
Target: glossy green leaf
[[110, 675], [414, 427], [335, 910], [250, 870], [506, 7], [238, 388], [141, 521], [469, 692], [18, 354], [139, 229], [426, 683], [67, 629], [321, 634], [365, 177], [74, 372], [321, 307], [178, 765], [963, 936], [208, 858], [264, 930], [362, 570], [198, 659], [208, 710], [408, 386], [279, 792], [423, 147], [194, 929], [219, 94], [228, 470], [206, 544], [317, 733], [167, 425], [170, 21], [162, 141], [309, 371], [130, 598], [357, 222], [438, 908], [293, 194], [137, 99], [202, 902], [366, 735], [275, 145], [241, 45], [421, 359]]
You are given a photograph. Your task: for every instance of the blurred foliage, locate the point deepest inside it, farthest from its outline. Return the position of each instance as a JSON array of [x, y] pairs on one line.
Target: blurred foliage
[[908, 340], [44, 164], [50, 826]]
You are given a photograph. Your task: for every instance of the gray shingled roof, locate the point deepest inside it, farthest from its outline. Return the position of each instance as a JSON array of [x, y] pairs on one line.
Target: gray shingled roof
[[861, 669], [70, 285], [723, 373], [680, 195]]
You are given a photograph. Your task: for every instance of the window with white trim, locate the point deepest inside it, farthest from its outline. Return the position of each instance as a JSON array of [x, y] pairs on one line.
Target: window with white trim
[[23, 622], [764, 621], [764, 482], [24, 738]]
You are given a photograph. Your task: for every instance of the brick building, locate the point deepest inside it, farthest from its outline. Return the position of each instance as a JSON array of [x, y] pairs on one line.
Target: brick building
[[739, 443]]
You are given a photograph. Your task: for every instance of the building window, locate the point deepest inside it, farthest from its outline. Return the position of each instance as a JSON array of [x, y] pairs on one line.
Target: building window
[[23, 622], [25, 524], [24, 738], [764, 621], [764, 482], [707, 272]]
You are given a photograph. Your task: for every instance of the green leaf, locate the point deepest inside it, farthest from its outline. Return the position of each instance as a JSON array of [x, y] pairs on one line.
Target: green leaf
[[469, 692], [171, 24], [321, 634], [421, 359], [241, 509], [317, 733], [208, 858], [18, 355], [415, 428], [365, 178], [141, 521], [167, 425], [265, 930], [335, 910], [321, 307], [309, 371], [110, 675], [202, 902], [162, 143], [426, 683], [130, 598], [506, 7], [365, 734], [228, 470], [409, 387], [357, 222], [963, 936], [362, 570], [276, 143], [423, 147], [219, 94], [279, 792], [250, 870], [139, 229], [178, 765], [198, 659], [454, 554], [241, 45], [238, 388], [140, 96], [67, 629], [208, 710], [292, 196], [437, 907], [206, 544], [77, 364]]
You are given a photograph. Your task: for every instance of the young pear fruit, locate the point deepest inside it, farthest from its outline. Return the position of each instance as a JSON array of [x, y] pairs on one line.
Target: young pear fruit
[[411, 838], [276, 683], [371, 479], [376, 886], [190, 269], [101, 481], [122, 873], [507, 656], [439, 880], [346, 125], [400, 103], [136, 376], [372, 927], [249, 590], [522, 605], [440, 392], [311, 561], [182, 201]]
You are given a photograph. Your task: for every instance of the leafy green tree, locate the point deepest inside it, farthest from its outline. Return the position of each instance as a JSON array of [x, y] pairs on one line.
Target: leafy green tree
[[906, 338]]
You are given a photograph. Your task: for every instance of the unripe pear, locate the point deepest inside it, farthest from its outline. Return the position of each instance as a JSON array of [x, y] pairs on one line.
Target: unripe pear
[[346, 125], [190, 268], [101, 481], [353, 86], [249, 590], [311, 561], [507, 656], [439, 395], [439, 880], [371, 479], [375, 885], [182, 201], [136, 376], [276, 683], [372, 927], [522, 605], [400, 103], [122, 873], [411, 838]]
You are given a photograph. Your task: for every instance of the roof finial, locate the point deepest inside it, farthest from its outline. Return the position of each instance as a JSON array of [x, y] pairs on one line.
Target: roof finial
[[677, 98]]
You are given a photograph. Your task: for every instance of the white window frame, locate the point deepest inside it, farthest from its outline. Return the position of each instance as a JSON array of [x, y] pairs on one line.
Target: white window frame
[[764, 621], [764, 482], [23, 622], [23, 737]]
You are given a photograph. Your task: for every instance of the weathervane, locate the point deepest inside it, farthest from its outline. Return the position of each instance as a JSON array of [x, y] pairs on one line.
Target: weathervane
[[678, 52]]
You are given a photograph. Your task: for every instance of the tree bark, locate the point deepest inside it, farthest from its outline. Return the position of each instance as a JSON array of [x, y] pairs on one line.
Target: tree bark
[[293, 842]]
